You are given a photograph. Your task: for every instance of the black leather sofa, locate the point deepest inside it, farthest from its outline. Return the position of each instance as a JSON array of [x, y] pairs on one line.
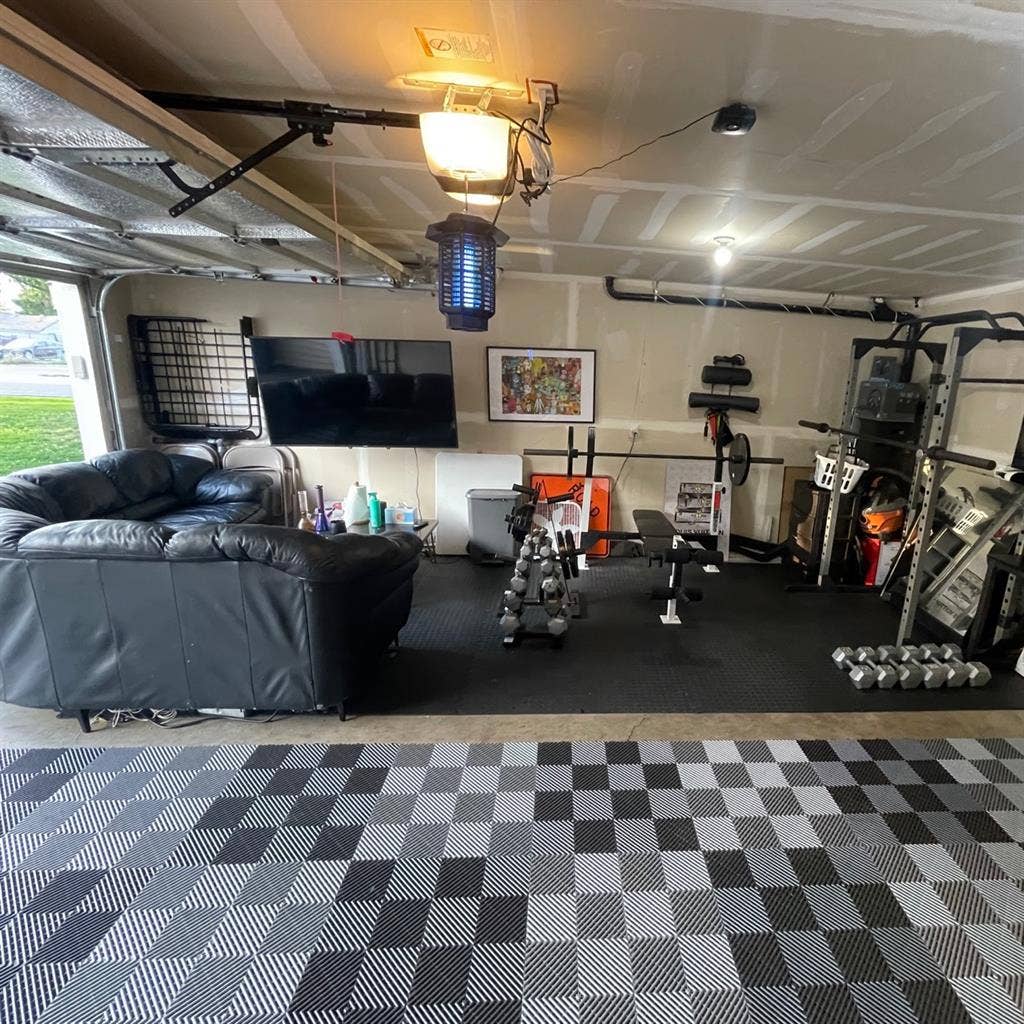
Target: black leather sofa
[[145, 580]]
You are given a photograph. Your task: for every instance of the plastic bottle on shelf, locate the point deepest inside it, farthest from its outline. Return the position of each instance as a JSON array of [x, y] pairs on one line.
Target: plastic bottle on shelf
[[376, 517]]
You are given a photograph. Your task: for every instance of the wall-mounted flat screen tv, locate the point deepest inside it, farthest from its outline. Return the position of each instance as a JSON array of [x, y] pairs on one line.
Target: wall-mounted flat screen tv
[[371, 391]]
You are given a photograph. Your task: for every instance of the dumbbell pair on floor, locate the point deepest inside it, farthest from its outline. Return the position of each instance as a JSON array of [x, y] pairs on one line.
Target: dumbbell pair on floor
[[932, 665]]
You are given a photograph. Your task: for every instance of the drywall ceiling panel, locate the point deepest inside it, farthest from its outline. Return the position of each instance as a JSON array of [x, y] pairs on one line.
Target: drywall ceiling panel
[[883, 126]]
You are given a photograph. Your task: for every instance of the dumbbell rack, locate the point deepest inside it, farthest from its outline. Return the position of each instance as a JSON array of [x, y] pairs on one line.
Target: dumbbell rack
[[529, 576]]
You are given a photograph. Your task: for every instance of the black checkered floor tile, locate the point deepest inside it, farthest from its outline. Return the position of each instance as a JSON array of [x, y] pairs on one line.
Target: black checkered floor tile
[[868, 882]]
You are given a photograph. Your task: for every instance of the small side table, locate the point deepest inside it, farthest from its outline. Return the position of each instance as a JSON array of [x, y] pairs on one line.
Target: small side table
[[427, 532]]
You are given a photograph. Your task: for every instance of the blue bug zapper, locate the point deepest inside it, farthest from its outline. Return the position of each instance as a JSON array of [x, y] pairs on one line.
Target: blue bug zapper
[[466, 249]]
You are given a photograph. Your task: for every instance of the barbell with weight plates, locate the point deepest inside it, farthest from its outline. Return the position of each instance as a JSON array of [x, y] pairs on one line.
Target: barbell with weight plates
[[738, 459]]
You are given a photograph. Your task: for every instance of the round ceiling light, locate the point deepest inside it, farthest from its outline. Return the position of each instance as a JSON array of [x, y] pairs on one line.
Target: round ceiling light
[[723, 253]]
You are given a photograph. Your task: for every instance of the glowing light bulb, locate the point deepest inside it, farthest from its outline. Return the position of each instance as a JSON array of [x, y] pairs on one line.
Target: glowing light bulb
[[723, 254], [465, 146]]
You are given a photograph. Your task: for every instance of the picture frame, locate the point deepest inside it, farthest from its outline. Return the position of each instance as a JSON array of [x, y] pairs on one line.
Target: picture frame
[[541, 385]]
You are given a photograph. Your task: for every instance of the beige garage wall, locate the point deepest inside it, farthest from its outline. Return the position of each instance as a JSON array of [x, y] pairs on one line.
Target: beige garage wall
[[987, 419], [648, 358]]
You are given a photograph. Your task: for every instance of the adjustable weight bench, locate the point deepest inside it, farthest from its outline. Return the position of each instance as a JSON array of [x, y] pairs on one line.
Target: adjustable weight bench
[[663, 543]]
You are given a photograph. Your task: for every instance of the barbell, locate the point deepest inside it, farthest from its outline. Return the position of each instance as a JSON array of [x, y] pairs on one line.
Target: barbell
[[738, 458], [935, 453]]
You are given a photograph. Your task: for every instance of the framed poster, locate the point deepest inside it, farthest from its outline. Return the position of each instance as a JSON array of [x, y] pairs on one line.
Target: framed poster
[[541, 385]]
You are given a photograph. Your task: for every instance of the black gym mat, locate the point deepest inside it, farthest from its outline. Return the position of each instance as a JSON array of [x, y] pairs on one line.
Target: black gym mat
[[747, 647]]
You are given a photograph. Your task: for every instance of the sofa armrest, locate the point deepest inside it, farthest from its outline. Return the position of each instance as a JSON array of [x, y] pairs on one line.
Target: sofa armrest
[[125, 539], [223, 485], [296, 552], [15, 526]]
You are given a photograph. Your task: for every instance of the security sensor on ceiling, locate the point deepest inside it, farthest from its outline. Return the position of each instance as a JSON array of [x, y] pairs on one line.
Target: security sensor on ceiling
[[734, 119]]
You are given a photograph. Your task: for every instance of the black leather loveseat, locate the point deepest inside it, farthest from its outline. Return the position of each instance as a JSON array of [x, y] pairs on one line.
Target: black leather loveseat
[[148, 580]]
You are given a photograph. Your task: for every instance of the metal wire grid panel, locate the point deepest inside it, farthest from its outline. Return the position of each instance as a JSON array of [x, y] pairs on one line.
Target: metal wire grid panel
[[195, 380]]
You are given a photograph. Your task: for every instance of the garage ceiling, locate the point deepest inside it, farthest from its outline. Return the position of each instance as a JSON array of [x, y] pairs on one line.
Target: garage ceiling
[[888, 156]]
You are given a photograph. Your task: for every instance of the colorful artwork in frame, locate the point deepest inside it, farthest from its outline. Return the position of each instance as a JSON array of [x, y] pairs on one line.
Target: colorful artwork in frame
[[541, 385]]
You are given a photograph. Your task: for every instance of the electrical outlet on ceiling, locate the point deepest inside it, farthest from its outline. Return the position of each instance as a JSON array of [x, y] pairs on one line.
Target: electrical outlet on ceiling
[[540, 90]]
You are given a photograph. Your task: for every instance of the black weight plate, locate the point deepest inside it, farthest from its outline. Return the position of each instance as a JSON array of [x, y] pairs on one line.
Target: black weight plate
[[570, 455], [570, 545], [591, 447], [739, 459], [563, 553]]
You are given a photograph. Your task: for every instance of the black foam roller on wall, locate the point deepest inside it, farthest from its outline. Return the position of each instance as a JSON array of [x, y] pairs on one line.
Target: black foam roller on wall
[[703, 400], [734, 376]]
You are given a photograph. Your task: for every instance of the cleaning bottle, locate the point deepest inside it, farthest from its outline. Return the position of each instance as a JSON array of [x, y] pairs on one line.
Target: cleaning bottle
[[376, 517]]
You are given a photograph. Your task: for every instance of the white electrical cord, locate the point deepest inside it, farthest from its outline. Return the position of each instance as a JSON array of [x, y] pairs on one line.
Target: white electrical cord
[[543, 159]]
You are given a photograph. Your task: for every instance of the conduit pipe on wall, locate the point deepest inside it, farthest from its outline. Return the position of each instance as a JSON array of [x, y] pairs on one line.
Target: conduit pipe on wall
[[881, 312], [99, 314]]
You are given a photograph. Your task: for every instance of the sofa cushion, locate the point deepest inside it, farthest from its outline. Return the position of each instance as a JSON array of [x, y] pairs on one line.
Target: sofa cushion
[[138, 473], [222, 485], [340, 559], [196, 515], [81, 491], [24, 496], [186, 472], [96, 538], [148, 509]]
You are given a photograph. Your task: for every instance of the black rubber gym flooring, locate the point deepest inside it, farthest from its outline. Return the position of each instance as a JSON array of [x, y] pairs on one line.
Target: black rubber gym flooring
[[747, 647]]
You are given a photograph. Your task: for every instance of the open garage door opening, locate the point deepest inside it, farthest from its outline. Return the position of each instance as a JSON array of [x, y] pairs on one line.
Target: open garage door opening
[[49, 407]]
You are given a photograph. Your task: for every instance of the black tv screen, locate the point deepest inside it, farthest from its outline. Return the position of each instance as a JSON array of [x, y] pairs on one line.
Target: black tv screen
[[371, 391]]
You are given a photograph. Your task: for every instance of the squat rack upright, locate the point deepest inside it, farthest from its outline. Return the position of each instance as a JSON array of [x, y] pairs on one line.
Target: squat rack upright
[[947, 359]]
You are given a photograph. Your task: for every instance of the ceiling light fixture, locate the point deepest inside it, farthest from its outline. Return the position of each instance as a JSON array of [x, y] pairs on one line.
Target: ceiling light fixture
[[468, 153], [723, 254]]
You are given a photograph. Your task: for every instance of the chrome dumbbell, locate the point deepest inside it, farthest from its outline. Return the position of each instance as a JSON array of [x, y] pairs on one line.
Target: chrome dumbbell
[[510, 623], [862, 670], [558, 625], [933, 673], [908, 675]]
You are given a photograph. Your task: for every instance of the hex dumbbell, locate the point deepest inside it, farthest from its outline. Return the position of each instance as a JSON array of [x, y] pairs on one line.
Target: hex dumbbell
[[940, 652], [519, 585], [933, 673], [870, 670], [908, 675], [510, 623], [513, 601], [558, 626], [863, 672], [977, 673]]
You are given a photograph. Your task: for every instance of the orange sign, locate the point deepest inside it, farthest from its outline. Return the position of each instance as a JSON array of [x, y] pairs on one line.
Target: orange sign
[[600, 501]]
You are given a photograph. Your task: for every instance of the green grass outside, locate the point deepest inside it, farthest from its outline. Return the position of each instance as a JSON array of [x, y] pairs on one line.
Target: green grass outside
[[36, 432]]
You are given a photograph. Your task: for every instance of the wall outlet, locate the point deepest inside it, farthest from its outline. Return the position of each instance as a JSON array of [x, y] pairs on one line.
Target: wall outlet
[[543, 91], [634, 430]]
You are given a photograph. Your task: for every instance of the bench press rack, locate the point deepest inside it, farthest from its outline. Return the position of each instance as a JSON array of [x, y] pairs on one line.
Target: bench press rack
[[737, 458]]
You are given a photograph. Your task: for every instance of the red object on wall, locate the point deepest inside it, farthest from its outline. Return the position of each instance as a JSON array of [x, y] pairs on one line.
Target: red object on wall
[[600, 501]]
